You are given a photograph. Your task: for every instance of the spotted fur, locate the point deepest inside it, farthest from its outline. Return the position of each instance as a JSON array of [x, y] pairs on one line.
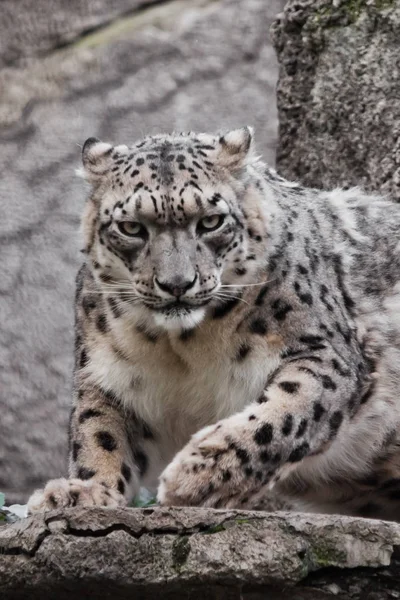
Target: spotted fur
[[235, 332]]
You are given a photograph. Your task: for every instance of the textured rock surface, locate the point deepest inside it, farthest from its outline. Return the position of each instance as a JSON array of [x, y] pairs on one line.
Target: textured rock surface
[[191, 553], [37, 28], [338, 94], [181, 65]]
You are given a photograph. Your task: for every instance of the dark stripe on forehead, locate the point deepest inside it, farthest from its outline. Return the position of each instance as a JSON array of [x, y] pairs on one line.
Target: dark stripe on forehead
[[198, 201], [138, 203], [192, 183], [154, 203]]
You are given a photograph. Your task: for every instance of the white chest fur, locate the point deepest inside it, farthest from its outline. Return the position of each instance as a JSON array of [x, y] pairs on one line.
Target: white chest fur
[[179, 386]]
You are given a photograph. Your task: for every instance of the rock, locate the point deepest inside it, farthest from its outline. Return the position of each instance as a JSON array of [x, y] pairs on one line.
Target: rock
[[204, 65], [191, 553], [338, 93], [36, 28]]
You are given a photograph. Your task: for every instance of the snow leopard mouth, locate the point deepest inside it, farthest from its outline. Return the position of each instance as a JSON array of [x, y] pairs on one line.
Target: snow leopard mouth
[[179, 308]]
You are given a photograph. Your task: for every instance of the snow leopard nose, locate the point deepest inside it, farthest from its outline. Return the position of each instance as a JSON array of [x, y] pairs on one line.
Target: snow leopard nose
[[177, 286]]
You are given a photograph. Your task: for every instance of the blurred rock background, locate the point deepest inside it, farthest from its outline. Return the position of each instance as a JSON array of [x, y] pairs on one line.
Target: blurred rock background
[[116, 70]]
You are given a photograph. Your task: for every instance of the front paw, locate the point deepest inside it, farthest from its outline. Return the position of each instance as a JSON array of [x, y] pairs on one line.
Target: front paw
[[64, 493], [213, 470]]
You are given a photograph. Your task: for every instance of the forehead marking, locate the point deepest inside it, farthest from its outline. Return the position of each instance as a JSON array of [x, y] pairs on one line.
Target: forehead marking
[[198, 201], [215, 199], [154, 203]]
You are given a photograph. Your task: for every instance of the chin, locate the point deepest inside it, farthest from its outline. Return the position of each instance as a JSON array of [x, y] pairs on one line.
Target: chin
[[180, 319]]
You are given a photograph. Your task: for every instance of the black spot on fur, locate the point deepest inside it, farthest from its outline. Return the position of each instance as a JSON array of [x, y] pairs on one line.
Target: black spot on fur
[[89, 413], [335, 421], [115, 309], [318, 411], [299, 452], [311, 339], [263, 292], [141, 460], [262, 399], [110, 397], [106, 440], [88, 304], [74, 495], [126, 472], [348, 301], [242, 455], [328, 383], [281, 309], [346, 333], [302, 270], [306, 298], [264, 434], [287, 425], [339, 369], [85, 474], [276, 458], [226, 475], [290, 387], [76, 446], [309, 372], [224, 309], [265, 456], [83, 361], [302, 428], [242, 352], [258, 326], [121, 486], [149, 335], [365, 397], [186, 334], [101, 323], [146, 431]]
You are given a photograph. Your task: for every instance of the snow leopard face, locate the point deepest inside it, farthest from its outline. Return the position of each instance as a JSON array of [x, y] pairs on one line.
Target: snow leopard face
[[166, 225]]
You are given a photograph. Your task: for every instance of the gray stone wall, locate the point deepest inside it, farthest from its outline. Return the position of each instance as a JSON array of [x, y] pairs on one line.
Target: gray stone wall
[[338, 93], [117, 72]]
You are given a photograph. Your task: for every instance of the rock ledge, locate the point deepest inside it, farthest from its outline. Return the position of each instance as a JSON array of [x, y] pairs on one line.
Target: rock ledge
[[183, 553]]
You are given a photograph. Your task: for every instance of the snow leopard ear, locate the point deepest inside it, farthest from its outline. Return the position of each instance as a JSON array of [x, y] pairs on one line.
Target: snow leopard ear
[[235, 147], [96, 159]]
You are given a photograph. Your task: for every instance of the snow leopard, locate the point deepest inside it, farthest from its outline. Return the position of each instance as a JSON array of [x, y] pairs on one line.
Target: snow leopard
[[237, 334]]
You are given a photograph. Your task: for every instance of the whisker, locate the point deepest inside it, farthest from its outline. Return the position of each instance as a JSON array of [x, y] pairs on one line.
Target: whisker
[[230, 297], [109, 293], [246, 284], [115, 286]]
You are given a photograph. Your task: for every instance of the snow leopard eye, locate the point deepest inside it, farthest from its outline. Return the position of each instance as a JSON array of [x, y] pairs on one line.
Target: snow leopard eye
[[132, 228], [210, 223]]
